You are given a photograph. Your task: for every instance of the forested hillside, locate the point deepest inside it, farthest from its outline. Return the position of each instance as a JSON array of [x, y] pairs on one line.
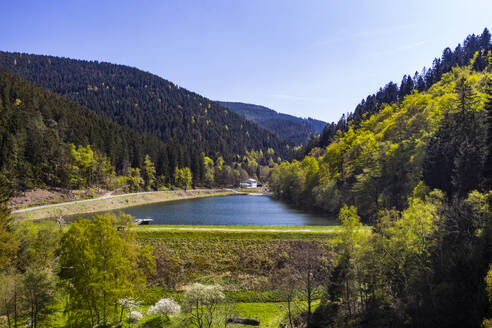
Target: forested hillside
[[473, 45], [39, 128], [418, 170], [296, 129], [436, 138], [146, 103], [49, 141]]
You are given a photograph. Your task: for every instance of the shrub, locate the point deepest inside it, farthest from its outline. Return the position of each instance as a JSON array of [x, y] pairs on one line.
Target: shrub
[[204, 294], [134, 316], [165, 306]]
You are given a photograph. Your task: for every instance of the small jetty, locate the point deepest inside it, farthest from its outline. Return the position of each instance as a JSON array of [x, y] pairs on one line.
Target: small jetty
[[144, 221]]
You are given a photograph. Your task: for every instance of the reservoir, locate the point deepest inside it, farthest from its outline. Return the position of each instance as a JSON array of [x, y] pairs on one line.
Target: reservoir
[[243, 210]]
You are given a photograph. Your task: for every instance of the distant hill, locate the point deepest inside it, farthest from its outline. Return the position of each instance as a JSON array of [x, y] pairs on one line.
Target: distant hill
[[295, 129], [146, 103]]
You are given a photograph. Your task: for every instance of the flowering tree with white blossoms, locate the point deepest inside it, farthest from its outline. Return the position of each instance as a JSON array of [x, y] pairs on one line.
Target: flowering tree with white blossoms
[[166, 307], [202, 302], [130, 304], [134, 316]]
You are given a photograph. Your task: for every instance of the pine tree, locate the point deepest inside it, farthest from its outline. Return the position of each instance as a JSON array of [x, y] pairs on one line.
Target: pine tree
[[455, 155], [8, 243], [485, 39], [465, 97]]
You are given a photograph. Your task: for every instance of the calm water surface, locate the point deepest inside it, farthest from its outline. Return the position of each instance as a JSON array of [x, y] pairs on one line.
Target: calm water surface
[[227, 210]]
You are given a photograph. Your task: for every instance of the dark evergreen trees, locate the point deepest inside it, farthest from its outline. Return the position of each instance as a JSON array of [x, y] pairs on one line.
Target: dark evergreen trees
[[456, 154], [37, 127], [296, 129], [147, 104]]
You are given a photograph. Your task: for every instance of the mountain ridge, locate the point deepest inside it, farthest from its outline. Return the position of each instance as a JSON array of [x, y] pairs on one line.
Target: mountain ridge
[[290, 127]]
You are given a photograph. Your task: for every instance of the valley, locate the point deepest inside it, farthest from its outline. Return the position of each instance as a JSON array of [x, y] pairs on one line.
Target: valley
[[127, 200], [295, 129]]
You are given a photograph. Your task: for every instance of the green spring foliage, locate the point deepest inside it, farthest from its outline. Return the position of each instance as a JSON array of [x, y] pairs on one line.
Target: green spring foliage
[[100, 265], [425, 266], [377, 164]]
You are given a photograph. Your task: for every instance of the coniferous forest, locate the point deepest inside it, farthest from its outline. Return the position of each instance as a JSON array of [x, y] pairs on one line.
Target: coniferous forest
[[295, 129], [125, 115], [145, 103]]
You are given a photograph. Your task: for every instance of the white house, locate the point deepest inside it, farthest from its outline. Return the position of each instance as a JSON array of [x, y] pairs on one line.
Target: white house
[[250, 183]]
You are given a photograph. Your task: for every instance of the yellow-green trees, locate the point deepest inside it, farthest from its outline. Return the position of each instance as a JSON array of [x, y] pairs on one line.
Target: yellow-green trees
[[352, 240], [100, 265], [88, 167], [488, 281], [9, 279], [149, 172], [351, 228], [209, 175], [8, 242], [422, 266], [287, 182], [11, 296], [133, 181], [378, 163], [28, 286], [183, 178], [38, 292], [82, 164]]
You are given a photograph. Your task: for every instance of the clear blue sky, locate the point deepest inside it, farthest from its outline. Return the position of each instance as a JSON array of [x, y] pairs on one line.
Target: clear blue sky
[[307, 58]]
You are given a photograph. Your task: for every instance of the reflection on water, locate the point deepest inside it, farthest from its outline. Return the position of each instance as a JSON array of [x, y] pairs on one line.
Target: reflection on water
[[227, 210]]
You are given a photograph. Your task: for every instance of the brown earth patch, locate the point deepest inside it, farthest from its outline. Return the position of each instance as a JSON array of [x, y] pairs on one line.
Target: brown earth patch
[[36, 197]]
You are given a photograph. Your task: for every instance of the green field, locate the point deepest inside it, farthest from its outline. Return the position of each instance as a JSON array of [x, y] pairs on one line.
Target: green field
[[160, 232], [239, 257]]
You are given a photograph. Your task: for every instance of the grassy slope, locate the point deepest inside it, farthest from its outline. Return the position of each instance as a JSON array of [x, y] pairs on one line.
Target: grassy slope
[[236, 257], [240, 257]]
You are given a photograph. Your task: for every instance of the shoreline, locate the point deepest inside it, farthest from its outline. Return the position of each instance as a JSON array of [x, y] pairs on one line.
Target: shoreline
[[115, 202]]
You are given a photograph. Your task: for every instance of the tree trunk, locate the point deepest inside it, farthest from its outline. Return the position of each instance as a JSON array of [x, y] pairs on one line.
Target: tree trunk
[[15, 309], [290, 313], [309, 296], [104, 306]]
